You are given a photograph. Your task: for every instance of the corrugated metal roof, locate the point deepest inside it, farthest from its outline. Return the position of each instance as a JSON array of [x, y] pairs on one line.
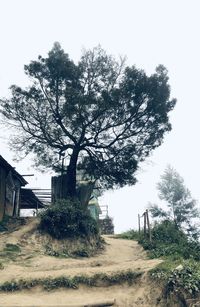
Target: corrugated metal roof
[[29, 200], [9, 167]]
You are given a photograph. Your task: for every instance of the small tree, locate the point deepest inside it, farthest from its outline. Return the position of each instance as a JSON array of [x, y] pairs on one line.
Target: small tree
[[106, 226], [181, 206], [104, 116]]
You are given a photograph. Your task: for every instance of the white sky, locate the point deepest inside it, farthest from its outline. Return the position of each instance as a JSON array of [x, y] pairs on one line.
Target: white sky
[[149, 32]]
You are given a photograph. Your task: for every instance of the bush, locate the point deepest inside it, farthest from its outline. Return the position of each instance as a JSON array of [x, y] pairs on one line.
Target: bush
[[66, 219], [167, 232], [106, 225], [186, 278], [168, 240], [129, 235]]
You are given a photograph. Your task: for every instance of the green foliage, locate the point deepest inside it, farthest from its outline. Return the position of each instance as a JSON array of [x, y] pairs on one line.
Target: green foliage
[[176, 238], [105, 116], [186, 278], [10, 251], [169, 240], [78, 247], [3, 223], [2, 227], [83, 252], [167, 232], [106, 226], [181, 276], [60, 254], [180, 270], [164, 269], [13, 248], [98, 279], [181, 207], [59, 282], [129, 235], [66, 219], [11, 223]]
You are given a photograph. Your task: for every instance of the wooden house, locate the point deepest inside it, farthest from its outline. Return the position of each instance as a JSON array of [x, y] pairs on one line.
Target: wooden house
[[28, 200], [10, 186]]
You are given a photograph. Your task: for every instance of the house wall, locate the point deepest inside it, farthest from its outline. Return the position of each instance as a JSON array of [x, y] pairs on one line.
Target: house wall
[[16, 197], [94, 212], [9, 194], [2, 191], [57, 188]]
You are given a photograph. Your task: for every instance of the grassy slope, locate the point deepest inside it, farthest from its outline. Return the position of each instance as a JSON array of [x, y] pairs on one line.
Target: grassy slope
[[180, 270]]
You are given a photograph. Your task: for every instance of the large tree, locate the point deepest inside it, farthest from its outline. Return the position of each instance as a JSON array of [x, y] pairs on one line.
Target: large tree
[[104, 116], [181, 207]]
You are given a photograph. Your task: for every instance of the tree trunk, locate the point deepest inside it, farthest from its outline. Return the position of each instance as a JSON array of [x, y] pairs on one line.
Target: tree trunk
[[71, 174], [174, 216]]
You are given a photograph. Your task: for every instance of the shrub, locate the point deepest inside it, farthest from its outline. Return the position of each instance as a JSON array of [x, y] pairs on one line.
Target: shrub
[[3, 224], [12, 248], [98, 279], [129, 235], [167, 232], [106, 225], [185, 278], [168, 240], [66, 219]]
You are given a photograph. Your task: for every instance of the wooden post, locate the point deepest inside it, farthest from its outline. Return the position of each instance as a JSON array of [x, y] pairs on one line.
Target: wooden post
[[145, 224], [62, 179], [148, 224], [139, 223], [37, 209]]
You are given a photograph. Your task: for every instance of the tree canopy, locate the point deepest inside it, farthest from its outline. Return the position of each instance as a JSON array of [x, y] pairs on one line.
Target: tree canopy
[[182, 207], [103, 115]]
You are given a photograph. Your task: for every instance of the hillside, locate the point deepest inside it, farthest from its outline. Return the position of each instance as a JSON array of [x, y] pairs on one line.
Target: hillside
[[29, 262]]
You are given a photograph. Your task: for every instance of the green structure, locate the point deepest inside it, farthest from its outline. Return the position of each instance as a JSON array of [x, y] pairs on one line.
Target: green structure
[[94, 208], [88, 194]]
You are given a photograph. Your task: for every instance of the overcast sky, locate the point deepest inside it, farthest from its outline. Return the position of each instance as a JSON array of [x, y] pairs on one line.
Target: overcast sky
[[148, 32]]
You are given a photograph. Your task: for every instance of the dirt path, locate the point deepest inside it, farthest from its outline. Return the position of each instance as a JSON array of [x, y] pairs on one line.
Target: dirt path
[[143, 295], [119, 255]]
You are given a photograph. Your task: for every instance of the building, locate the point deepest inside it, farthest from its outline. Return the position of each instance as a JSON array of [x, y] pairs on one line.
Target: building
[[94, 209], [86, 192], [10, 186], [28, 200]]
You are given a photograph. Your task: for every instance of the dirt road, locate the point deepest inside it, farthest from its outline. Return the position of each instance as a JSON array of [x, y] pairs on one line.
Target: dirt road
[[119, 255]]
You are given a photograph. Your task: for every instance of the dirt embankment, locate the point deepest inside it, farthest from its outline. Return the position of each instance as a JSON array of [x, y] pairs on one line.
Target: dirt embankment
[[119, 255]]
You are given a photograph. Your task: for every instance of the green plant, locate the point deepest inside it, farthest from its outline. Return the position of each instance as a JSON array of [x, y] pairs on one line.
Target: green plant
[[64, 282], [182, 208], [10, 251], [13, 248], [185, 278], [106, 226], [104, 115], [60, 254], [170, 241], [180, 270], [73, 282], [83, 252], [129, 235], [3, 223], [66, 219]]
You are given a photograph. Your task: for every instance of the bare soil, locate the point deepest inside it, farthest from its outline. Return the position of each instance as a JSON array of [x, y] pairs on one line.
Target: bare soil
[[119, 255]]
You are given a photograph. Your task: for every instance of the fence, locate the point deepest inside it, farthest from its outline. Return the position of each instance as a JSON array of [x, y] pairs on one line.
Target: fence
[[146, 225]]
